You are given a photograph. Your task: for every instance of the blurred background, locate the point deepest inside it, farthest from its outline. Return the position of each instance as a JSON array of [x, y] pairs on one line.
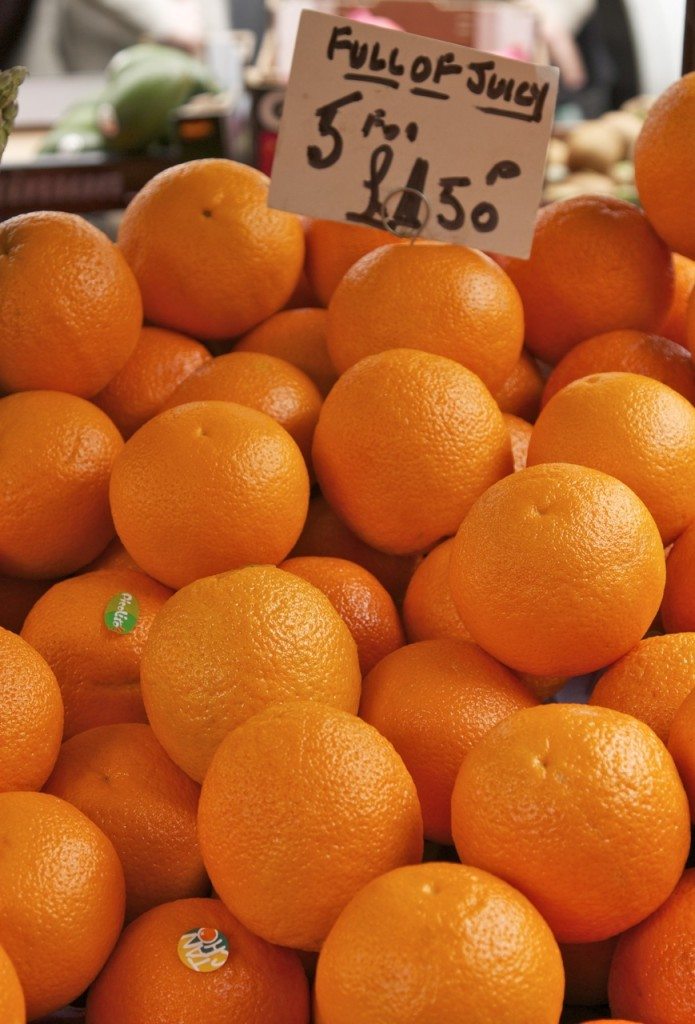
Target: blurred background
[[119, 89]]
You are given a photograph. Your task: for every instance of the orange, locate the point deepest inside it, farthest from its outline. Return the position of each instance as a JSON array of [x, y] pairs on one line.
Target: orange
[[97, 665], [429, 611], [299, 337], [565, 792], [596, 265], [61, 898], [651, 681], [633, 428], [557, 570], [587, 965], [206, 487], [628, 352], [681, 744], [31, 715], [665, 165], [224, 648], [444, 299], [70, 308], [325, 534], [120, 777], [434, 700], [690, 323], [520, 437], [211, 258], [365, 607], [521, 392], [146, 981], [653, 968], [542, 686], [114, 556], [57, 454], [678, 607], [303, 296], [160, 361], [439, 942], [261, 382], [303, 805], [12, 1007], [332, 248], [674, 325], [17, 598], [405, 443]]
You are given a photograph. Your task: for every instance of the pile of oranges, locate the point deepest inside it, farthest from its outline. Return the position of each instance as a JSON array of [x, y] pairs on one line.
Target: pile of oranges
[[282, 625]]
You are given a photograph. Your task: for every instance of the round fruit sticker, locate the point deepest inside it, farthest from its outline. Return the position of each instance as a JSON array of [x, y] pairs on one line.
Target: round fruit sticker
[[203, 950], [121, 613]]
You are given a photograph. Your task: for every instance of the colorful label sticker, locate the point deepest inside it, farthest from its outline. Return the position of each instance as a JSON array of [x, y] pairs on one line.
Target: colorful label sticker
[[203, 950], [121, 613]]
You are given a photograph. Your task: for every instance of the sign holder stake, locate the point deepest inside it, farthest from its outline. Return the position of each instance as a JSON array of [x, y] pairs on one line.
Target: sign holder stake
[[393, 224]]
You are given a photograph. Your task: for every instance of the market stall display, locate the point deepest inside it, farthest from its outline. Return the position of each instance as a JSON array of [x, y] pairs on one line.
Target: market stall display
[[367, 623]]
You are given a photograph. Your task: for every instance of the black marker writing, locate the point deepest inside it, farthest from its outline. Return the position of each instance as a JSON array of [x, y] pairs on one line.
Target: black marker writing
[[367, 62], [326, 115], [486, 82]]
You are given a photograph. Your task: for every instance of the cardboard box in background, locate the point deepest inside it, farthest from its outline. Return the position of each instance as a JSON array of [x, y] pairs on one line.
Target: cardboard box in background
[[497, 27]]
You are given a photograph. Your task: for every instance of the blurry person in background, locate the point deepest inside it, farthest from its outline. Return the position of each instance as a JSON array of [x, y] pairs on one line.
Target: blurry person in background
[[14, 15], [591, 43], [610, 50], [62, 36], [561, 23]]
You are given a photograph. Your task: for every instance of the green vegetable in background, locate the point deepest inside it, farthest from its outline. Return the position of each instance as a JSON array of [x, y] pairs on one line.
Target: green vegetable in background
[[150, 52], [146, 83], [10, 82], [76, 131]]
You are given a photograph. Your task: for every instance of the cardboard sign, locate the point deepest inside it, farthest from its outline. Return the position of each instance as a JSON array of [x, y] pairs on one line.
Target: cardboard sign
[[376, 119]]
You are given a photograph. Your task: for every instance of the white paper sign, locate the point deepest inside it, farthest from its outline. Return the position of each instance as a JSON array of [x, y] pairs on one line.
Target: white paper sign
[[369, 112]]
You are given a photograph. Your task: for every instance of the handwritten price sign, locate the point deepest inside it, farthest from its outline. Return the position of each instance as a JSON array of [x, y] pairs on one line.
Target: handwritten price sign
[[373, 116]]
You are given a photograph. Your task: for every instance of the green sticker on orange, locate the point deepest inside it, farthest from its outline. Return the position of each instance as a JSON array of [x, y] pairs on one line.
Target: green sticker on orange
[[122, 612], [203, 950]]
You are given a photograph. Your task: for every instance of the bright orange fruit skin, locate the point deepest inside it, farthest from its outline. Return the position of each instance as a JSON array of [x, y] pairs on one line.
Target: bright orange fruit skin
[[439, 942], [12, 1005], [653, 967], [651, 681], [287, 843], [299, 336], [160, 361], [405, 443], [626, 351], [590, 791], [429, 611], [70, 308], [633, 428], [261, 382], [681, 745], [57, 456], [211, 258], [60, 877], [121, 778], [433, 700], [444, 299], [207, 487], [226, 647], [665, 165], [98, 670], [557, 570], [363, 604], [259, 983], [596, 265], [31, 715]]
